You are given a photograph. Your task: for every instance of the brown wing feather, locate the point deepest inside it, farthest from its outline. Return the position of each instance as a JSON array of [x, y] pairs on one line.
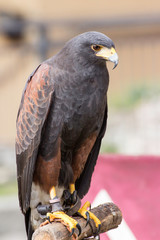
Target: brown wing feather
[[83, 182], [81, 155], [31, 116]]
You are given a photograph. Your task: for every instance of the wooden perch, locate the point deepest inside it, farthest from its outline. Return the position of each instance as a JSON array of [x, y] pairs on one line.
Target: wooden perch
[[108, 213]]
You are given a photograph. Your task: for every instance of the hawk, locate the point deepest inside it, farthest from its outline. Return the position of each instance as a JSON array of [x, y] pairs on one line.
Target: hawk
[[60, 124]]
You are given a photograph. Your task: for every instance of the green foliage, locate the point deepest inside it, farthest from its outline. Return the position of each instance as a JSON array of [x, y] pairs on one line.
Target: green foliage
[[108, 148], [8, 188], [131, 97]]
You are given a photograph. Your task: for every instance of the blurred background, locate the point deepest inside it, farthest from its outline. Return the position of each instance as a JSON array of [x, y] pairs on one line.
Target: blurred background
[[32, 31]]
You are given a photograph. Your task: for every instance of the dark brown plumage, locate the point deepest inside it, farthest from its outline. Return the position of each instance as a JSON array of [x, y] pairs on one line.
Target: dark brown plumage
[[61, 121]]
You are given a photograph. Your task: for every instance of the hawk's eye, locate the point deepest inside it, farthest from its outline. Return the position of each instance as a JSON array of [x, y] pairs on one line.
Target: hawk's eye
[[96, 47]]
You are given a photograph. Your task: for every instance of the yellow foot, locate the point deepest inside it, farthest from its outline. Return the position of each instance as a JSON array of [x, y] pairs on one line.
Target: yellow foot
[[60, 216], [89, 215]]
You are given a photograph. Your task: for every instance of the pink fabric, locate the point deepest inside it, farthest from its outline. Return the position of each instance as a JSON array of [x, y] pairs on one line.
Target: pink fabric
[[133, 182]]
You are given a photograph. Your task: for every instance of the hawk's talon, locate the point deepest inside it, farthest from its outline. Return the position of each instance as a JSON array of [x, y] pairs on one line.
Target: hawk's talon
[[79, 229], [98, 230], [89, 215], [88, 218], [72, 232], [96, 235], [68, 221]]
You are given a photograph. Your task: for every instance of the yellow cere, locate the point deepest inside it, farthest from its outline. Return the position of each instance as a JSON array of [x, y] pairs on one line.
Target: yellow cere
[[113, 50], [106, 52]]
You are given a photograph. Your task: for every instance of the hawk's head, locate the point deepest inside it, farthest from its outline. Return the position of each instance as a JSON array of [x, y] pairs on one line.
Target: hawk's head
[[92, 47]]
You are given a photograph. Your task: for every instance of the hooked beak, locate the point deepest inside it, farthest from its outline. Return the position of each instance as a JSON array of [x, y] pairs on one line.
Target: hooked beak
[[114, 58], [109, 54]]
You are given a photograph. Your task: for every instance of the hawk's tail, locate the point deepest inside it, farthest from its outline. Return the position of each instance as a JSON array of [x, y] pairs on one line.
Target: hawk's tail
[[29, 229]]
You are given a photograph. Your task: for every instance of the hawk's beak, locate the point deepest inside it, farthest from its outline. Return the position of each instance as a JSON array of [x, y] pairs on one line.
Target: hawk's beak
[[114, 58], [109, 54]]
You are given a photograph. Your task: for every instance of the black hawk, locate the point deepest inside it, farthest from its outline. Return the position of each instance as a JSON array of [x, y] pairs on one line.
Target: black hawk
[[60, 124]]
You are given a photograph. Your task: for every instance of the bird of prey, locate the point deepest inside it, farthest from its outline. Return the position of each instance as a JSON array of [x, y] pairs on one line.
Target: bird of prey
[[60, 124]]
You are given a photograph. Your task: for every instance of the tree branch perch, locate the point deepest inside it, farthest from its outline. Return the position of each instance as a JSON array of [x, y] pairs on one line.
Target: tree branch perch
[[108, 213]]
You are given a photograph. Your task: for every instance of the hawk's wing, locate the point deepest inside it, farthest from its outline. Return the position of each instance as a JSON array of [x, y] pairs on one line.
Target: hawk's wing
[[83, 183], [32, 113]]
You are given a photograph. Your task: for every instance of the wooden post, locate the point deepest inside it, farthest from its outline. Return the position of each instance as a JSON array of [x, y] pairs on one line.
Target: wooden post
[[108, 213]]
